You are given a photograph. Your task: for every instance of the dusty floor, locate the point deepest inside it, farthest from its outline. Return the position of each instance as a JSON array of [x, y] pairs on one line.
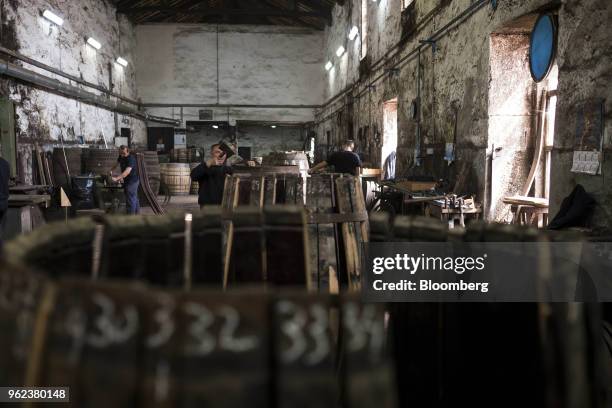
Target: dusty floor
[[177, 204]]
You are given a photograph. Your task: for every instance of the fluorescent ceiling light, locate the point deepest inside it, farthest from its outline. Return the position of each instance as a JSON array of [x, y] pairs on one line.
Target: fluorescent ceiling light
[[340, 51], [273, 126], [54, 18], [215, 127], [328, 66], [94, 43], [122, 62], [353, 33]]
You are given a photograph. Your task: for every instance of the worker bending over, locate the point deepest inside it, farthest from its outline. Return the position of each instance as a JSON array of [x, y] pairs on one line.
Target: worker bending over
[[129, 178], [344, 161]]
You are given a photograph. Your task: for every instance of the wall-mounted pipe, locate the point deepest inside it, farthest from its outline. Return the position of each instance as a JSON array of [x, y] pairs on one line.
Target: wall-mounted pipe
[[70, 91], [225, 105], [63, 74]]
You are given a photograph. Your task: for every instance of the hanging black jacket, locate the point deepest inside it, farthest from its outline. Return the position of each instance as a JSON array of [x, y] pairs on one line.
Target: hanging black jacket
[[211, 180]]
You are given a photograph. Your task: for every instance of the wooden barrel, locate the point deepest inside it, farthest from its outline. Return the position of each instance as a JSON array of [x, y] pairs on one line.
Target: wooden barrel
[[336, 216], [176, 176], [60, 171], [185, 155], [195, 186], [101, 161]]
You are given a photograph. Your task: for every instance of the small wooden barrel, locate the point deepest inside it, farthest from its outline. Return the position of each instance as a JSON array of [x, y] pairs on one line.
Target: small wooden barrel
[[176, 177], [195, 186]]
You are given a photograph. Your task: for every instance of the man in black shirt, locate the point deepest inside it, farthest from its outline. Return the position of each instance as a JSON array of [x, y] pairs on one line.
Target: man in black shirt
[[5, 172], [129, 177], [344, 161], [210, 176]]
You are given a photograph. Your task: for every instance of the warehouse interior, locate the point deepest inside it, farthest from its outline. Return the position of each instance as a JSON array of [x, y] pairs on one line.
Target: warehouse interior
[[235, 278]]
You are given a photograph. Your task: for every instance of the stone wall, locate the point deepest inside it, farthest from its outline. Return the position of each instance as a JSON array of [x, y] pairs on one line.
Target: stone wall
[[244, 65], [455, 90], [47, 118]]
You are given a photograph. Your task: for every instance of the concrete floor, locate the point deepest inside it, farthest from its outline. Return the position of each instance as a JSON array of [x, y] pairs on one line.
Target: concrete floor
[[185, 204]]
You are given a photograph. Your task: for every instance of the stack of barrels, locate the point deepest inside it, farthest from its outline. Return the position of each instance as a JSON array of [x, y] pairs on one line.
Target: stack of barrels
[[100, 161], [117, 344], [194, 184], [185, 155]]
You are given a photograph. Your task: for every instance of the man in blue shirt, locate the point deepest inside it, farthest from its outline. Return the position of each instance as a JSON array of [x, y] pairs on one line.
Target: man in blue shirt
[[129, 177]]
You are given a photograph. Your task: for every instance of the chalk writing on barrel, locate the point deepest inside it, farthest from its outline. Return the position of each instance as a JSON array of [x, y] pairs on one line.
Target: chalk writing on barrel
[[163, 318], [112, 327], [296, 328], [365, 327], [205, 342]]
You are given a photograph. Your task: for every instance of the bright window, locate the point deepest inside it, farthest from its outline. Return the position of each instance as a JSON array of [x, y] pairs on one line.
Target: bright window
[[406, 3], [364, 28]]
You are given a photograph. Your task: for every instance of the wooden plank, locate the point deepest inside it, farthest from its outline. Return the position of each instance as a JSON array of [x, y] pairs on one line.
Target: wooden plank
[[123, 251], [319, 199], [158, 381], [345, 193], [523, 200], [92, 345], [286, 246], [368, 374], [223, 350], [19, 200], [22, 295], [305, 352], [247, 255], [269, 188], [208, 246]]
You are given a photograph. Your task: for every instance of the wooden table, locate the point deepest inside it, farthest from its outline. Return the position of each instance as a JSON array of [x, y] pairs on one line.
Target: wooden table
[[20, 200], [27, 189], [408, 188], [528, 210]]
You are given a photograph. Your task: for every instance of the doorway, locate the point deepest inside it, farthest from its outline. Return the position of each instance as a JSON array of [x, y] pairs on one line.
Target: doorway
[[521, 122], [389, 142]]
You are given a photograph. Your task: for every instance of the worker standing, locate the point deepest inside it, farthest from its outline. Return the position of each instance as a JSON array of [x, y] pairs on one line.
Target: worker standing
[[5, 172], [344, 161], [129, 178], [210, 176]]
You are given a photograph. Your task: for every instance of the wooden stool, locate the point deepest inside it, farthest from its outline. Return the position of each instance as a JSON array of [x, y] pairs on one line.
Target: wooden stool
[[528, 210]]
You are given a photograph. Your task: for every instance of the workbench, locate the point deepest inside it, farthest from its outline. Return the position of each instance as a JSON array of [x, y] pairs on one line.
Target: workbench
[[20, 200], [24, 213], [436, 208]]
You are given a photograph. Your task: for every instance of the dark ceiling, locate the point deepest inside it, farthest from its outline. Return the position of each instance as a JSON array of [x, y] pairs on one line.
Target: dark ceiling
[[304, 13]]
